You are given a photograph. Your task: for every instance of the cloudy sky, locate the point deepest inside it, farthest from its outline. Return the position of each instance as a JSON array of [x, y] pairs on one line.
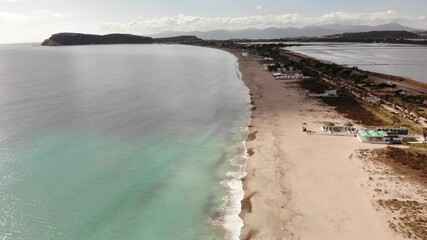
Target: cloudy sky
[[35, 20]]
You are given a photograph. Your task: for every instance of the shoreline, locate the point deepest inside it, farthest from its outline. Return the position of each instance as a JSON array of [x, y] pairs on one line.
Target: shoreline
[[296, 189]]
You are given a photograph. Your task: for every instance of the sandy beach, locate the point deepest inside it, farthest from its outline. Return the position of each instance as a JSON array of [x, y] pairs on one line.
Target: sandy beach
[[303, 186]]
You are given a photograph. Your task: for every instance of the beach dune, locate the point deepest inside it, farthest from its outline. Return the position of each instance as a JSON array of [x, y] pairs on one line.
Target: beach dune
[[302, 186]]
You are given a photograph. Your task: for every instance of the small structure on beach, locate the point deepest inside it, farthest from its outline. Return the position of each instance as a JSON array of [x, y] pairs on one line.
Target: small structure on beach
[[288, 74], [326, 93], [383, 135], [331, 93], [332, 128], [374, 136], [400, 131], [349, 126], [267, 65], [328, 126]]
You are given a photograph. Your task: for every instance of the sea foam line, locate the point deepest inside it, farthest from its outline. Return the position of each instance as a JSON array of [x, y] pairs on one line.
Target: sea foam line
[[230, 220]]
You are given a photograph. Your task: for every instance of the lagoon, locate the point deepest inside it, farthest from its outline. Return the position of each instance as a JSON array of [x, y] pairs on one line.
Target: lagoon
[[403, 60]]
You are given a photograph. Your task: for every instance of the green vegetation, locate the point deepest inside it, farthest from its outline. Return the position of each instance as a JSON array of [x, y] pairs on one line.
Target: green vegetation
[[354, 75], [346, 105], [410, 217], [355, 110], [414, 99], [66, 39], [314, 85], [409, 140], [412, 220], [414, 157], [391, 119]]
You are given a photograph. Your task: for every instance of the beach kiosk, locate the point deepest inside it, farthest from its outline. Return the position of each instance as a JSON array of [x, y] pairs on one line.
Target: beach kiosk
[[379, 136], [328, 126]]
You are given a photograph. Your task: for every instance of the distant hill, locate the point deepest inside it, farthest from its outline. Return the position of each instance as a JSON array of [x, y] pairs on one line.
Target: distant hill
[[275, 33], [66, 39], [377, 36], [178, 39], [85, 39]]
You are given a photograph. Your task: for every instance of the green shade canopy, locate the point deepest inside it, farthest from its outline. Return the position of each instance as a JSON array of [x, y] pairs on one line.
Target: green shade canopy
[[373, 133]]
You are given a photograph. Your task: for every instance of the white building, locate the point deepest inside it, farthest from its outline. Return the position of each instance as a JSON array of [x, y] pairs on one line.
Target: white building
[[331, 93], [288, 74], [383, 135]]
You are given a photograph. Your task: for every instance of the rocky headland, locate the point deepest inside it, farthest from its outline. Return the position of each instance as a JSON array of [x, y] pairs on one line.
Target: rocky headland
[[68, 39]]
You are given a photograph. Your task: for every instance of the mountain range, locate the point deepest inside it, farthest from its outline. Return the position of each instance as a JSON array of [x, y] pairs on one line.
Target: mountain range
[[289, 32]]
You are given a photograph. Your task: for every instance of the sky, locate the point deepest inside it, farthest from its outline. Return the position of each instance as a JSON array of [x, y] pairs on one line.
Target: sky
[[36, 20]]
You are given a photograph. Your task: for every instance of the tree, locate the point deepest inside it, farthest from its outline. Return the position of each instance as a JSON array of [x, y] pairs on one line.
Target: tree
[[392, 87]]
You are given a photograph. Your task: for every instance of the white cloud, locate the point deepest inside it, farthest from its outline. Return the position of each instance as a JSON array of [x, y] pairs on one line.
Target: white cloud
[[372, 18], [258, 7], [192, 23], [35, 15], [365, 18], [11, 16], [45, 14]]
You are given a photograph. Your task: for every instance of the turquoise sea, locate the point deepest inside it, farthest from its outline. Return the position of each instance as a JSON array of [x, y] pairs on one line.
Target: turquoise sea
[[120, 142]]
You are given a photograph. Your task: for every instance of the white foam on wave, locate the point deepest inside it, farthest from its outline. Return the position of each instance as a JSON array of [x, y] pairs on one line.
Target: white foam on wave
[[231, 221], [229, 218]]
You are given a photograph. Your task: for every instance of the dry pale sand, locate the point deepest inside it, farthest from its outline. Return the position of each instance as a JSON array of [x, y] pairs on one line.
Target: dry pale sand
[[302, 186]]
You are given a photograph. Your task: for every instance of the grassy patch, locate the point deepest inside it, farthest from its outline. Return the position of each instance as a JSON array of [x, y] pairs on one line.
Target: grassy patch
[[412, 220], [411, 139], [417, 148], [387, 116], [354, 110], [347, 106], [314, 86], [414, 158], [366, 114]]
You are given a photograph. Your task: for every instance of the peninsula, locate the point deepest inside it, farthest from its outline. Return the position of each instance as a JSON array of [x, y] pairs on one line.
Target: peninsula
[[68, 39]]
